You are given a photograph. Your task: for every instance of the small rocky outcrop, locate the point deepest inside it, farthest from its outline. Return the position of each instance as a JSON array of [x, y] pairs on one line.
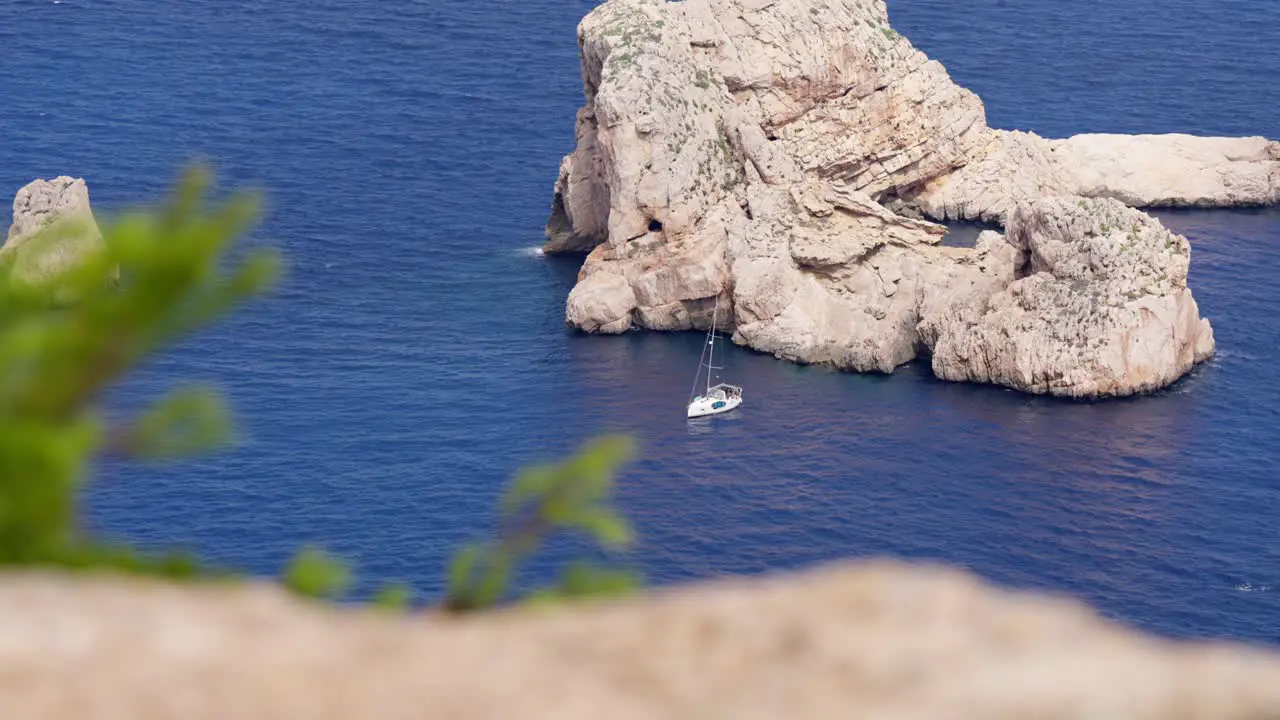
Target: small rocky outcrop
[[875, 640], [749, 151], [39, 207], [1099, 306]]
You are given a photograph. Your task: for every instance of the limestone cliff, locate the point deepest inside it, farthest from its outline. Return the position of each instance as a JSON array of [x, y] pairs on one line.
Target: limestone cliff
[[749, 150]]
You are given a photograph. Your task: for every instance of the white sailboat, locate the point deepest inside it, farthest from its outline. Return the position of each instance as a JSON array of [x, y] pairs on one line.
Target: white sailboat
[[714, 399]]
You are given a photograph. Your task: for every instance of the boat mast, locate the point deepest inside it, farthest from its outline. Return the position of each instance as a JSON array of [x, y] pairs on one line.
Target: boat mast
[[711, 340], [707, 358], [702, 361]]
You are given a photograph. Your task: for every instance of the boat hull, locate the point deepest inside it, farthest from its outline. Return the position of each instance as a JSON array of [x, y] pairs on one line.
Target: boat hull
[[712, 406]]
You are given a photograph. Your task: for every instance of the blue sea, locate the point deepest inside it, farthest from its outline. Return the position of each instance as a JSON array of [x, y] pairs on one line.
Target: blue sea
[[415, 356]]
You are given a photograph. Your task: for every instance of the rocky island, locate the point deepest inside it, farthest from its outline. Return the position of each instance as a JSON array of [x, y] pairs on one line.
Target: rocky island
[[793, 158]]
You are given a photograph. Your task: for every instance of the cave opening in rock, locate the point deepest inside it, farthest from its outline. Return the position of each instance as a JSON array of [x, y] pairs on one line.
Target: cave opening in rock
[[964, 233], [655, 226]]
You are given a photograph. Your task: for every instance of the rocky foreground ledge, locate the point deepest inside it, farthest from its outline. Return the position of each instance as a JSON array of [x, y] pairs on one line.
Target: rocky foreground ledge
[[782, 155], [859, 641]]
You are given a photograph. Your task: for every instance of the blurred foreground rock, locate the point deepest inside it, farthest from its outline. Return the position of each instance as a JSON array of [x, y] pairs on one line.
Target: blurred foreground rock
[[863, 641]]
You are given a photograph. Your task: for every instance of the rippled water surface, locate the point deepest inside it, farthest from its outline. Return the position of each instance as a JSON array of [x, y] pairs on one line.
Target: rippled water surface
[[416, 355]]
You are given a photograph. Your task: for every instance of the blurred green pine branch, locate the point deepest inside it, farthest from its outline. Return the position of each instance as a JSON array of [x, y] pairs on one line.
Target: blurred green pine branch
[[574, 496], [66, 337], [158, 275]]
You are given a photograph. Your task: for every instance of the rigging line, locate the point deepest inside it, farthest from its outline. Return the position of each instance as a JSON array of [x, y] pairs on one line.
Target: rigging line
[[701, 361], [711, 341]]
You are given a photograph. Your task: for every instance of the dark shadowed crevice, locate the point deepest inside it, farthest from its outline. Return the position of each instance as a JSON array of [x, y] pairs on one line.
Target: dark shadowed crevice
[[965, 233]]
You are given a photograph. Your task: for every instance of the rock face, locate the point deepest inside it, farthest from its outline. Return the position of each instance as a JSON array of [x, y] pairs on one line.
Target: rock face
[[1100, 306], [749, 150], [1138, 170], [827, 275], [870, 641], [63, 201]]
